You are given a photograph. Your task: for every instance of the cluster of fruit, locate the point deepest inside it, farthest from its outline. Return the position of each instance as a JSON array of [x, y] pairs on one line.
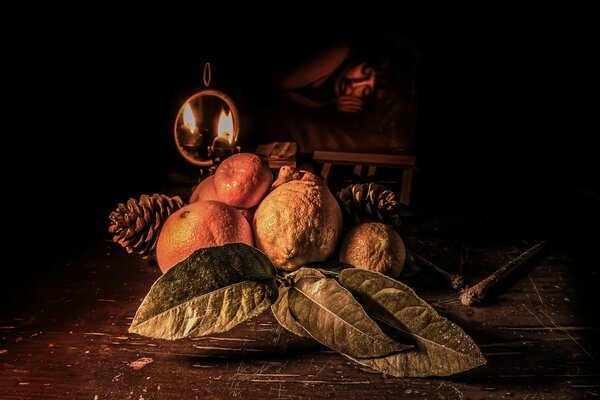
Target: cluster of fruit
[[215, 279], [294, 220]]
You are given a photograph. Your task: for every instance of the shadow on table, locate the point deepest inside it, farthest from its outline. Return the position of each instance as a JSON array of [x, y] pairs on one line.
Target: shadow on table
[[287, 348]]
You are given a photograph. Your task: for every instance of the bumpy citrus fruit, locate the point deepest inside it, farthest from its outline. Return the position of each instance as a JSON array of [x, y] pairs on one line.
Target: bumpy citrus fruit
[[242, 180], [287, 174], [376, 247], [297, 223], [198, 225]]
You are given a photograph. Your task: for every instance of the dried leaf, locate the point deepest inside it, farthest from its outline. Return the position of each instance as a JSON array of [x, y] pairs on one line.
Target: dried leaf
[[330, 314], [442, 348], [211, 291], [330, 268], [282, 314]]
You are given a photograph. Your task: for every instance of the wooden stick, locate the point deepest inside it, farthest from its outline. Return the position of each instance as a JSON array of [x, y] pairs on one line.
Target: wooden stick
[[456, 281], [478, 293]]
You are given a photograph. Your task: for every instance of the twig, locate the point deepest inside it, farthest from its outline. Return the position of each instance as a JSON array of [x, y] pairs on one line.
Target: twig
[[457, 281], [477, 293]]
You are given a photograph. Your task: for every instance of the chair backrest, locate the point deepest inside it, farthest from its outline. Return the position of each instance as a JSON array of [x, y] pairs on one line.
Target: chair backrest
[[371, 161]]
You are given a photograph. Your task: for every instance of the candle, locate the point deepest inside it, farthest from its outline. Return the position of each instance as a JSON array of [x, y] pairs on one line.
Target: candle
[[221, 142], [188, 131], [225, 127], [221, 149], [189, 137]]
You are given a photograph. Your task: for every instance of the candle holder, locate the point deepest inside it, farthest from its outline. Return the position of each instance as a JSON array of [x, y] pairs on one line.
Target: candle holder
[[207, 126]]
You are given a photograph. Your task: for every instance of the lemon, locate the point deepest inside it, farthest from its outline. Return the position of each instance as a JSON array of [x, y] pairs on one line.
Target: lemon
[[299, 222]]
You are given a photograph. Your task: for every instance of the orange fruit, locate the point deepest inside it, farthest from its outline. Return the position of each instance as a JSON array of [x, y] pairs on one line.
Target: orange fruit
[[297, 223], [376, 247], [242, 180], [198, 225], [248, 213], [205, 190]]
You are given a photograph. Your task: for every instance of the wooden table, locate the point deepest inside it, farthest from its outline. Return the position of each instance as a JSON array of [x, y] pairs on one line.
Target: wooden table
[[64, 335]]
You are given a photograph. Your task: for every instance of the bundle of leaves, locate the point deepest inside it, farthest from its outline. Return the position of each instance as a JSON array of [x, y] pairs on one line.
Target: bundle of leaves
[[368, 317]]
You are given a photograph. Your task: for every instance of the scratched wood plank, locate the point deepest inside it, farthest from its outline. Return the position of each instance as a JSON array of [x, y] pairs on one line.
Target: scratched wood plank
[[65, 336]]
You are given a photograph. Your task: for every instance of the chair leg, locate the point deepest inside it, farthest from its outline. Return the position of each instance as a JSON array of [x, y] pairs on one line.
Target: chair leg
[[325, 171], [358, 169]]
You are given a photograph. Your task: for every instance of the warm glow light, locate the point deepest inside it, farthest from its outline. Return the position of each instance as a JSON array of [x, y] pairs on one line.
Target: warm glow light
[[225, 127], [188, 118]]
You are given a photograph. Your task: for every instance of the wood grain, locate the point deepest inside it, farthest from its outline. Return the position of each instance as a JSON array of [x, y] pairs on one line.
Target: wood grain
[[64, 335]]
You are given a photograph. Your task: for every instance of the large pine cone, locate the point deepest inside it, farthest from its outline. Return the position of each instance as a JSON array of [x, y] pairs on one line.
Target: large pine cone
[[367, 202], [136, 224]]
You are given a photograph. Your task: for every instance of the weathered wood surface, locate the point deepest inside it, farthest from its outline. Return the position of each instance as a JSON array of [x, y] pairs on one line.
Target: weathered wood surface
[[64, 336]]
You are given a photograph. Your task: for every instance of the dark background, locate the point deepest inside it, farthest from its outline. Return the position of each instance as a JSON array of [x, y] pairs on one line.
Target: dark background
[[94, 104]]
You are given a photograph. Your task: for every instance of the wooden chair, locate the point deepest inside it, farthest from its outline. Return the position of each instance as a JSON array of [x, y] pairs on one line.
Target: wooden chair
[[371, 161]]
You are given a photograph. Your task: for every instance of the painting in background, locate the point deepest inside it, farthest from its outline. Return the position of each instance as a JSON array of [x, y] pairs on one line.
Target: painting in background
[[349, 98]]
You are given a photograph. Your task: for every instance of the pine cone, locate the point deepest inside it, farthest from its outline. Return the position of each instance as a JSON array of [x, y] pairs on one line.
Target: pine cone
[[136, 225], [364, 202]]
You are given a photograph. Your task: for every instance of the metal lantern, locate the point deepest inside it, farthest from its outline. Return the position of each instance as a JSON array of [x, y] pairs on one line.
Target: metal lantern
[[207, 126]]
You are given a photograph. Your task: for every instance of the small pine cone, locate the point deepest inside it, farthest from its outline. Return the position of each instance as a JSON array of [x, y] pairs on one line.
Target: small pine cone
[[364, 202], [136, 224]]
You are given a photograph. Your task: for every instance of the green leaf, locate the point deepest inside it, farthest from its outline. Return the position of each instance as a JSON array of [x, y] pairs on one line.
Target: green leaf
[[211, 291], [282, 314], [330, 314], [442, 348]]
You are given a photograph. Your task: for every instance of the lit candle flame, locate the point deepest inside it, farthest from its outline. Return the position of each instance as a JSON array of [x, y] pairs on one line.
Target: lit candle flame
[[189, 120], [225, 126]]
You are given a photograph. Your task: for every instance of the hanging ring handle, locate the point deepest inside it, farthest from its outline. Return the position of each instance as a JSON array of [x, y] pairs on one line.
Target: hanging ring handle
[[207, 74]]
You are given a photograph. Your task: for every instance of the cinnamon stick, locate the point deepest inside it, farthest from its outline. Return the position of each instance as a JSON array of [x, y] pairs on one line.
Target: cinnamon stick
[[476, 294], [456, 281]]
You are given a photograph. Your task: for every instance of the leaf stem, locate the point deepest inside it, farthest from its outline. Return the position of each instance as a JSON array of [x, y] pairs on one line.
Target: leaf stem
[[284, 280]]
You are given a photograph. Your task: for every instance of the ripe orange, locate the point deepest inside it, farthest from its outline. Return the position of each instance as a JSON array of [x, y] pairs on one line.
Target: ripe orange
[[242, 180], [248, 213], [198, 225], [376, 247], [205, 190]]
